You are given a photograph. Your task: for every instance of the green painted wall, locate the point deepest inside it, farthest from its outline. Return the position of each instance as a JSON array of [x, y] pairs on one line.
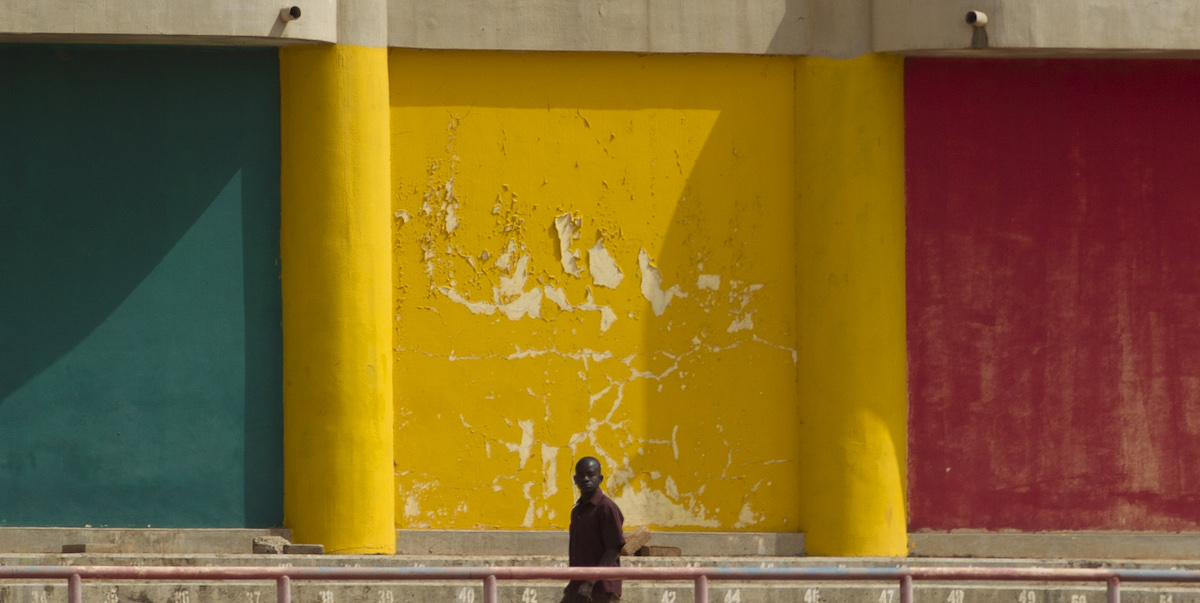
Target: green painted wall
[[140, 340]]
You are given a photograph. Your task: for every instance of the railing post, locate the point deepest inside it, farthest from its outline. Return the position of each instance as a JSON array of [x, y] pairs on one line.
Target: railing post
[[701, 589], [75, 589], [1114, 590], [489, 590], [283, 589], [906, 589]]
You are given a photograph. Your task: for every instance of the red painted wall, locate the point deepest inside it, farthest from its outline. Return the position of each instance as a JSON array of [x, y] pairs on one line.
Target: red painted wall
[[1054, 294]]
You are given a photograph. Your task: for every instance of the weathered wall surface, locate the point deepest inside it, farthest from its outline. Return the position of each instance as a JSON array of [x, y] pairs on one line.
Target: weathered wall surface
[[594, 256], [1053, 289], [139, 292]]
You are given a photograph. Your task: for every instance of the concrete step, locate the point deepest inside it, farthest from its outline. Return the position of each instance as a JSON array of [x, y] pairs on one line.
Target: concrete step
[[550, 592]]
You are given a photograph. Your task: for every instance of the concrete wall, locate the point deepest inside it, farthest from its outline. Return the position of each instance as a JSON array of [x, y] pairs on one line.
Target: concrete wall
[[594, 256], [833, 28], [1052, 288], [140, 305]]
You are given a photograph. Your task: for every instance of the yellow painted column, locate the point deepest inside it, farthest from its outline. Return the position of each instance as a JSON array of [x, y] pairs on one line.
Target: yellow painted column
[[852, 375], [336, 270]]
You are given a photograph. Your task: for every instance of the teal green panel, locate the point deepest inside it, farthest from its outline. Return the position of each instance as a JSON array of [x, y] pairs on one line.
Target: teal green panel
[[140, 338]]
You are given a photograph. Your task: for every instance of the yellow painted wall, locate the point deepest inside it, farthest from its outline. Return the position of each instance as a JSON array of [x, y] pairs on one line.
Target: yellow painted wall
[[852, 382], [511, 363], [335, 246]]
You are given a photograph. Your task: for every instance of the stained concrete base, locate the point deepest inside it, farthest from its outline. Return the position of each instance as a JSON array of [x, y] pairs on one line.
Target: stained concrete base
[[1056, 545], [128, 540], [537, 542], [1048, 545]]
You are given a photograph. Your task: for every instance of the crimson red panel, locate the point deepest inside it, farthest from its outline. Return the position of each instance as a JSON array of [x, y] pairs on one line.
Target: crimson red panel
[[1053, 294]]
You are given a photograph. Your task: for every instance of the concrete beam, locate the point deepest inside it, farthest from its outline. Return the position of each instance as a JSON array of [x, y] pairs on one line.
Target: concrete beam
[[242, 22], [746, 26]]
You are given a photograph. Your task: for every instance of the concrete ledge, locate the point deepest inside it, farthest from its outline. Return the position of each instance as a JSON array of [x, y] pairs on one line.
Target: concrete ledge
[[129, 540], [536, 542], [1056, 545]]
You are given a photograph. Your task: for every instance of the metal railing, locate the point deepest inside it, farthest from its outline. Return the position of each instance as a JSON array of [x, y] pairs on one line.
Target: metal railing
[[700, 576]]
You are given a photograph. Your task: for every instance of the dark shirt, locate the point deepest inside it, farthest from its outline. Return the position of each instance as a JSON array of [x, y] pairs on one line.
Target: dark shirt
[[596, 525]]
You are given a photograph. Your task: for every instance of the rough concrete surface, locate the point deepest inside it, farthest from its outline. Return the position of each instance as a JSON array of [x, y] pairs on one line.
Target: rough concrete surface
[[538, 542], [143, 541]]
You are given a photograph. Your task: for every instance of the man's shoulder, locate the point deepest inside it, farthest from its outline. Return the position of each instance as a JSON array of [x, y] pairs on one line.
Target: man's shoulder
[[604, 501]]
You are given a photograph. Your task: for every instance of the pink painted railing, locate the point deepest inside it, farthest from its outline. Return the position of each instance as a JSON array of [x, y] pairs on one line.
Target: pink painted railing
[[700, 576]]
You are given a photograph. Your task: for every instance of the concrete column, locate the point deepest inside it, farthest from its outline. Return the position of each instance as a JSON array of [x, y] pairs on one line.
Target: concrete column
[[850, 298], [336, 269]]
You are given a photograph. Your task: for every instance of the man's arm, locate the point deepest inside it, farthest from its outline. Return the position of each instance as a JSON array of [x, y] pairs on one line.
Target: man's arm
[[608, 559]]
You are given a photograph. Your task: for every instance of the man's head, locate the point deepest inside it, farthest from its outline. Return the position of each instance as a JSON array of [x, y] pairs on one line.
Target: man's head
[[588, 476]]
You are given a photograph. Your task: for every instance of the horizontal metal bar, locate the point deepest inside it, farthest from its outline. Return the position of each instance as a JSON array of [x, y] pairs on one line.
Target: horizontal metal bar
[[889, 574]]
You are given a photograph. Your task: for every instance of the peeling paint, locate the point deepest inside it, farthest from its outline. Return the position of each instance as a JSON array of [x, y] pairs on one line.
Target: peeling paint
[[712, 282], [638, 393], [568, 230], [650, 507], [602, 265], [525, 448], [652, 286], [549, 470], [744, 323]]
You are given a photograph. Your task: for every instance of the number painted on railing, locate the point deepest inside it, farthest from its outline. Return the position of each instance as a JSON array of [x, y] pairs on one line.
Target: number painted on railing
[[887, 596], [39, 596], [1165, 599], [764, 565], [733, 595], [529, 596], [668, 596], [956, 596], [466, 594], [1078, 598], [1027, 596], [111, 596], [325, 596], [812, 595], [253, 596], [181, 596], [387, 596]]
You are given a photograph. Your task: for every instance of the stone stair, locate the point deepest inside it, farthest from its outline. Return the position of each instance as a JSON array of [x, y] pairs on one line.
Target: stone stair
[[30, 591]]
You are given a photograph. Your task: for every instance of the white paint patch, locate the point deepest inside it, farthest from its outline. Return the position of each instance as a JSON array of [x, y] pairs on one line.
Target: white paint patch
[[607, 316], [451, 217], [712, 282], [507, 256], [529, 304], [603, 267], [476, 307], [646, 507], [526, 489], [743, 323], [747, 517], [672, 489], [515, 284], [675, 442], [559, 297], [549, 471], [404, 217], [568, 230], [525, 448], [652, 285]]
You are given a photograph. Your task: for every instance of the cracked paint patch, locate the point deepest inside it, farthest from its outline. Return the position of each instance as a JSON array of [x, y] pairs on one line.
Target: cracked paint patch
[[603, 267], [652, 286], [711, 282], [568, 230]]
